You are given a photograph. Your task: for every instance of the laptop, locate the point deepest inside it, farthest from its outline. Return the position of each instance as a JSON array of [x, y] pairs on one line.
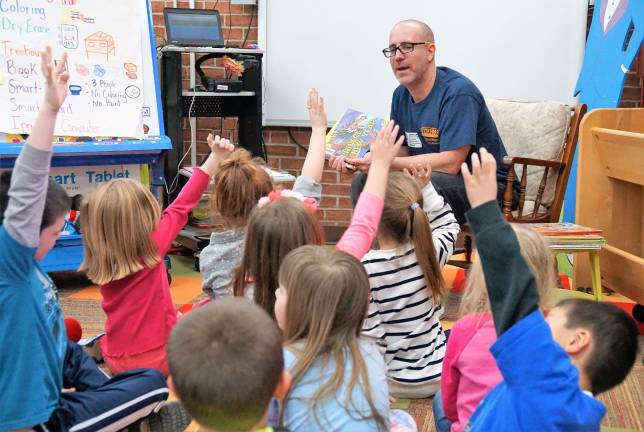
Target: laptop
[[193, 27]]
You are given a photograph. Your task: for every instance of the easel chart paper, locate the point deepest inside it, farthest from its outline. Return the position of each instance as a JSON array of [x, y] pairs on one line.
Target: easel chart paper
[[103, 43]]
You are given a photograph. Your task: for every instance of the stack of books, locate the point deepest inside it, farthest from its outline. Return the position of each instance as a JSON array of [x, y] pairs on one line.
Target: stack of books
[[566, 235]]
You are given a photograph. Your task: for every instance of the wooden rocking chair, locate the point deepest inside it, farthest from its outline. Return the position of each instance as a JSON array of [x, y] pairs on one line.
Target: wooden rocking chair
[[537, 208]]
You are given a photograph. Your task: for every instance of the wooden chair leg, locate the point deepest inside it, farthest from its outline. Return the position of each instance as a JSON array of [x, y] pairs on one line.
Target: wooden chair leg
[[467, 243]]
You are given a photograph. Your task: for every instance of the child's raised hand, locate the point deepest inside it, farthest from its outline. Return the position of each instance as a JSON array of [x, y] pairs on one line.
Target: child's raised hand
[[383, 151], [56, 79], [421, 173], [385, 148], [220, 147], [315, 105], [480, 184], [314, 161]]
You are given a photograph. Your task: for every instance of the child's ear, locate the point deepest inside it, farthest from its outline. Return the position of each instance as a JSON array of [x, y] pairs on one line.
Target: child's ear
[[578, 341], [283, 385]]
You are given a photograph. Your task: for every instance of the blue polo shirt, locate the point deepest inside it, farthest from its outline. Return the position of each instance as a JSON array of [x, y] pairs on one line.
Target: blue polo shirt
[[453, 115], [535, 395], [32, 338]]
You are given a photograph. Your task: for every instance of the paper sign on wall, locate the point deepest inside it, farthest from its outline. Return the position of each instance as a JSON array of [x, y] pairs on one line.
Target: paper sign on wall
[[103, 43]]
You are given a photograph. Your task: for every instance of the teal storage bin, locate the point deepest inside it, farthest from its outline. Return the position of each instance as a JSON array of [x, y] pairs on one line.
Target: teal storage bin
[[66, 255]]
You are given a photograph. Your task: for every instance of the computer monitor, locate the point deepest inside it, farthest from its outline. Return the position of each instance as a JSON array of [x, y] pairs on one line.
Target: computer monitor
[[193, 27]]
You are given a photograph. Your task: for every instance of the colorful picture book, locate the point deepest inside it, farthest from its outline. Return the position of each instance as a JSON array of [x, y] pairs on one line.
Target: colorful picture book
[[352, 135], [586, 242], [566, 235], [563, 229]]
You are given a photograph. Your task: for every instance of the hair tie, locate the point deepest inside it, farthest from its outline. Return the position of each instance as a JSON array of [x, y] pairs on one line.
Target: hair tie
[[414, 206]]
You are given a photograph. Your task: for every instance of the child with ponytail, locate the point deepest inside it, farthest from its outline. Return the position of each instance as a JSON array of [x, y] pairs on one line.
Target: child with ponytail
[[238, 184], [407, 286]]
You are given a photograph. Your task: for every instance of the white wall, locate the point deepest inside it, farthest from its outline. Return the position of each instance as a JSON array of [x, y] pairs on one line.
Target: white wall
[[511, 49]]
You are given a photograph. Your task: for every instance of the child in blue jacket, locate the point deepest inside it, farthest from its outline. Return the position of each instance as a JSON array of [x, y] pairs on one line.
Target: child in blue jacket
[[552, 367]]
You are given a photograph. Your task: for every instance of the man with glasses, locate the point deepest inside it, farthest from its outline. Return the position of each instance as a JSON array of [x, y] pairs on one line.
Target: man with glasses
[[441, 113]]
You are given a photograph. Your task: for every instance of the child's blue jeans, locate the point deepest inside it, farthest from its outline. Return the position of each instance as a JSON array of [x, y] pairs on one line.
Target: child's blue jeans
[[443, 424], [99, 401]]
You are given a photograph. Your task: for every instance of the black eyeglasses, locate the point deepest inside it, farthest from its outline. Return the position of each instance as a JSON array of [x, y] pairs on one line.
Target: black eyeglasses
[[403, 47]]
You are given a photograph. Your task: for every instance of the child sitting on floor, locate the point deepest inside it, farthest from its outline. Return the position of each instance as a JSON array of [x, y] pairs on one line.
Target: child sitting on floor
[[469, 370], [126, 237], [339, 380], [407, 285], [226, 363], [238, 184], [286, 220], [48, 382], [551, 367]]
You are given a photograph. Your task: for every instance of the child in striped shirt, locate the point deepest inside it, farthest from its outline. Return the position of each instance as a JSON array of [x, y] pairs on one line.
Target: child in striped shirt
[[407, 285]]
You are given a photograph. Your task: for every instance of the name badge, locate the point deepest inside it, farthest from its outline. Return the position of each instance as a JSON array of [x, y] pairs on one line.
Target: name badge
[[413, 140]]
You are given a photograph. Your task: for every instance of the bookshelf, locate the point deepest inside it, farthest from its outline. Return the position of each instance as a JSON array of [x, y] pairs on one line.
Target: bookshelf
[[610, 196]]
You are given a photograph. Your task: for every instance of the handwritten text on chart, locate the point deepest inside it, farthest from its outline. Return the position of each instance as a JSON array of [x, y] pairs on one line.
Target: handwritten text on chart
[[21, 18], [17, 51], [105, 89], [22, 27], [105, 93], [16, 7], [23, 71]]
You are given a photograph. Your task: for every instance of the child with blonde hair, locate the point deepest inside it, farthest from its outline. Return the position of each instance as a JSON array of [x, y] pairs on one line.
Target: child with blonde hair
[[338, 379], [407, 285], [126, 236], [48, 380], [469, 370], [238, 184], [286, 220]]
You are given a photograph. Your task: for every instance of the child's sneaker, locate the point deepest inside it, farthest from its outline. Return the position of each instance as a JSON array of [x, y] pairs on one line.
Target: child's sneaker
[[92, 346], [172, 417]]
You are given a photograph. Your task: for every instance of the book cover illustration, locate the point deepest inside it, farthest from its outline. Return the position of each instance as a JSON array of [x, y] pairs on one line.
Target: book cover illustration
[[352, 135]]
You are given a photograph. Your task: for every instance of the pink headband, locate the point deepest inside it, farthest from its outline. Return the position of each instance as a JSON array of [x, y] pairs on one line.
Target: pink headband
[[277, 195]]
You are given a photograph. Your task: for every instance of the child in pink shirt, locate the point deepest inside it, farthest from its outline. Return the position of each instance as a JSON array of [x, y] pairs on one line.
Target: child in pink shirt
[[126, 238], [469, 370]]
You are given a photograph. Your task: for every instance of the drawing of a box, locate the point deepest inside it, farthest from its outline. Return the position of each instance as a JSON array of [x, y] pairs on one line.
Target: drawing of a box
[[99, 43]]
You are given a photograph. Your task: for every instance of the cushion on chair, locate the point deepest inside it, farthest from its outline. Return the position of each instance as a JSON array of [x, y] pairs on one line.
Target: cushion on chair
[[528, 207], [533, 130]]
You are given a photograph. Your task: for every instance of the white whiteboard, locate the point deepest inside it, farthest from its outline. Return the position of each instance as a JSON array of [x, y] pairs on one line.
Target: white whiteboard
[[511, 49]]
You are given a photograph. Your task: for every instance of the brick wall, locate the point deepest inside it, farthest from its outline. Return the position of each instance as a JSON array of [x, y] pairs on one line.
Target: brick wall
[[282, 148]]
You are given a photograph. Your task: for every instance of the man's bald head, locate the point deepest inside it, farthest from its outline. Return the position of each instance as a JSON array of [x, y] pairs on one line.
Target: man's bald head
[[424, 31]]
